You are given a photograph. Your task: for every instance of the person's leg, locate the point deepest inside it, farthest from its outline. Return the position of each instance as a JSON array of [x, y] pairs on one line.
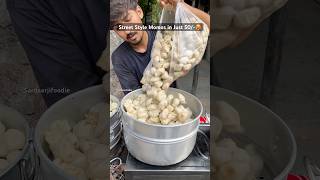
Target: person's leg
[[57, 60]]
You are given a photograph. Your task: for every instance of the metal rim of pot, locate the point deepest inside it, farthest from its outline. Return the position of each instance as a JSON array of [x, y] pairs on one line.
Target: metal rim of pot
[[293, 155], [161, 141], [156, 131], [22, 159]]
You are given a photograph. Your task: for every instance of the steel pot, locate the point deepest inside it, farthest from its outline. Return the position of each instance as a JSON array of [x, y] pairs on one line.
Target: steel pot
[[266, 130], [23, 167], [71, 108], [161, 145]]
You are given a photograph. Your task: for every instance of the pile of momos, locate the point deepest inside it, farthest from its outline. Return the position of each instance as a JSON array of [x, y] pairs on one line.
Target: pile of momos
[[229, 160], [163, 109], [113, 107], [81, 150], [12, 141]]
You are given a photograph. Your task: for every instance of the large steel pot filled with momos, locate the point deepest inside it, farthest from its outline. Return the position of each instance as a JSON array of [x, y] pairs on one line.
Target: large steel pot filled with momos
[[161, 145], [269, 134]]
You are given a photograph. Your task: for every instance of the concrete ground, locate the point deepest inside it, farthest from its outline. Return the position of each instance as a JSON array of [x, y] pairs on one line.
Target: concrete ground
[[298, 88]]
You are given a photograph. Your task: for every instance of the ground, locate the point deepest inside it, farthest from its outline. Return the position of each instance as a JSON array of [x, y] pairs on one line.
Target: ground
[[15, 73]]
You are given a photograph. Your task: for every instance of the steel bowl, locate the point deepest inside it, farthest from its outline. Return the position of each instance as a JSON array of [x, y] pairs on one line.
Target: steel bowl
[[266, 130], [115, 124], [24, 165], [161, 145]]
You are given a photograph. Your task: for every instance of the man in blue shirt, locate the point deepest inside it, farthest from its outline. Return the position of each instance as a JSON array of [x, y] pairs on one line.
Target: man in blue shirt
[[132, 57]]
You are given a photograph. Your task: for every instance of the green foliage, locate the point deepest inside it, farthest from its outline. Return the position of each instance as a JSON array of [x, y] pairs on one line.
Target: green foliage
[[156, 12], [144, 5], [153, 7]]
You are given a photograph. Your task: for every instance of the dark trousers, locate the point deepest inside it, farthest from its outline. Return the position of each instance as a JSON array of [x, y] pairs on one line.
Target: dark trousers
[[63, 40]]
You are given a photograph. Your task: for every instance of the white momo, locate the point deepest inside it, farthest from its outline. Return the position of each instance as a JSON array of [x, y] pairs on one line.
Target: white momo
[[15, 139], [113, 106], [230, 161], [12, 156], [229, 116]]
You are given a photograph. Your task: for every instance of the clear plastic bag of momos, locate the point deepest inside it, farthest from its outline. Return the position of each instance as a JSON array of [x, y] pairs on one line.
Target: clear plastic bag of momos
[[188, 46], [175, 53], [157, 71]]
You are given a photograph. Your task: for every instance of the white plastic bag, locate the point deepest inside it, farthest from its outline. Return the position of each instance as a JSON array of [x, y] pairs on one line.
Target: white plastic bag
[[188, 46], [174, 53]]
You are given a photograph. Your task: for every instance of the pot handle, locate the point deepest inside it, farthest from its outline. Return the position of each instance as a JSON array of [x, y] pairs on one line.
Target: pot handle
[[27, 164], [206, 140]]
